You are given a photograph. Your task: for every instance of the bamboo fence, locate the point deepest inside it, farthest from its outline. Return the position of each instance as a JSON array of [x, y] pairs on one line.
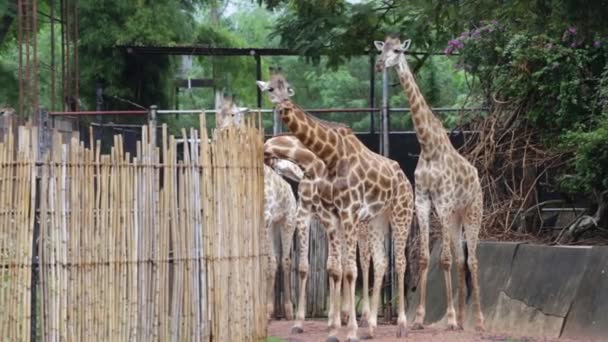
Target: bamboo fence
[[135, 248], [17, 194]]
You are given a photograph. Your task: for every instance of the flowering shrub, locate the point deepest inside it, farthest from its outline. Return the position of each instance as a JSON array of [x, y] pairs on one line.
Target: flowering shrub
[[559, 83]]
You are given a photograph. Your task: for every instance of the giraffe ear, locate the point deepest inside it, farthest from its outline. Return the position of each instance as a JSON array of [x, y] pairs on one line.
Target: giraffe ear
[[406, 45], [290, 92], [262, 85], [379, 45]]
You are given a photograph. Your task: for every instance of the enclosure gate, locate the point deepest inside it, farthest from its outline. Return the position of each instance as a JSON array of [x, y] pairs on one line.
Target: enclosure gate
[[140, 247]]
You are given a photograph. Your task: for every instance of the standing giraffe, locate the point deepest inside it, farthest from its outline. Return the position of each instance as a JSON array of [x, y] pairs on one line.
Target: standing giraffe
[[314, 199], [446, 181], [279, 213], [366, 189], [314, 192]]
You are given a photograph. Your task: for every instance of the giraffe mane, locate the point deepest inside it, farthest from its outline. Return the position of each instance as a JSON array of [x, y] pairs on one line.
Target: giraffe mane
[[326, 123]]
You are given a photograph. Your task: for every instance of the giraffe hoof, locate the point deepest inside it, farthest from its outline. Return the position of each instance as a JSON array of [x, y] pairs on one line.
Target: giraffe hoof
[[332, 339], [344, 318], [452, 327], [297, 330], [401, 332], [363, 323], [417, 326]]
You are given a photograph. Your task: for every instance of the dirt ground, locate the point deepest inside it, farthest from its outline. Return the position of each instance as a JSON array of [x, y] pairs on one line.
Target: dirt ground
[[316, 331]]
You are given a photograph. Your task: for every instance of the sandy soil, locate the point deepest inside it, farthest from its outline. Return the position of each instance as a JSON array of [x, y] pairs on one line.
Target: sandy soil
[[316, 331]]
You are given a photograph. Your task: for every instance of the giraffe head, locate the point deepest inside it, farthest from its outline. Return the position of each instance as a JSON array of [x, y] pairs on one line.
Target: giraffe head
[[228, 113], [288, 170], [391, 52], [277, 87]]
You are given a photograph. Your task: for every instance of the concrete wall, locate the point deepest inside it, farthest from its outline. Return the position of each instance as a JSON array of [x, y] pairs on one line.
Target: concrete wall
[[531, 290]]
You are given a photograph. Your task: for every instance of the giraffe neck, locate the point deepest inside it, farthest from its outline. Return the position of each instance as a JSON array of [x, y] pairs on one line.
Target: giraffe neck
[[325, 142], [297, 153], [429, 129]]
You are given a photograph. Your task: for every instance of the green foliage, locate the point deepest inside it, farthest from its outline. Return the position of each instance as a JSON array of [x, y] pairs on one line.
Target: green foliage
[[590, 163], [552, 79], [143, 80]]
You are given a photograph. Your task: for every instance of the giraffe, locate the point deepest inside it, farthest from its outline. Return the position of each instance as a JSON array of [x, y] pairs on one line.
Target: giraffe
[[313, 200], [289, 147], [280, 212], [445, 180], [366, 189]]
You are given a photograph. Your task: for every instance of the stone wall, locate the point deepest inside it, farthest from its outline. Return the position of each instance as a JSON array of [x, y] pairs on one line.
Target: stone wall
[[531, 290]]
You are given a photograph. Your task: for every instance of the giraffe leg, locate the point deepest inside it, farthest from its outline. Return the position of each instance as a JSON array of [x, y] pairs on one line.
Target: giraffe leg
[[286, 243], [472, 224], [401, 222], [365, 257], [345, 311], [272, 271], [448, 223], [302, 229], [334, 271], [457, 249], [350, 274], [423, 212], [380, 260]]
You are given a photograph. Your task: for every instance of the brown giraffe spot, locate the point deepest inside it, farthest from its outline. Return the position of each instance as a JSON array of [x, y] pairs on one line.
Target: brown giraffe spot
[[303, 156], [372, 174], [360, 172], [364, 164], [372, 194], [322, 135], [346, 200], [333, 138], [317, 146], [340, 184], [353, 179], [422, 132], [384, 181], [326, 152], [415, 106]]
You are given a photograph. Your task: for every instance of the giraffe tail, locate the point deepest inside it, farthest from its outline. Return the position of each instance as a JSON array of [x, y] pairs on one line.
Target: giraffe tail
[[467, 272]]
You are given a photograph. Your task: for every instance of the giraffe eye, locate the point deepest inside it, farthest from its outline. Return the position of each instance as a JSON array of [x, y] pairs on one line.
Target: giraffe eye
[[271, 89], [397, 51]]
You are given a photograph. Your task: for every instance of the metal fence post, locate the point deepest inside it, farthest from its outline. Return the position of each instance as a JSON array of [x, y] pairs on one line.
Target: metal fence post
[[152, 123], [385, 113], [276, 128], [372, 91]]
